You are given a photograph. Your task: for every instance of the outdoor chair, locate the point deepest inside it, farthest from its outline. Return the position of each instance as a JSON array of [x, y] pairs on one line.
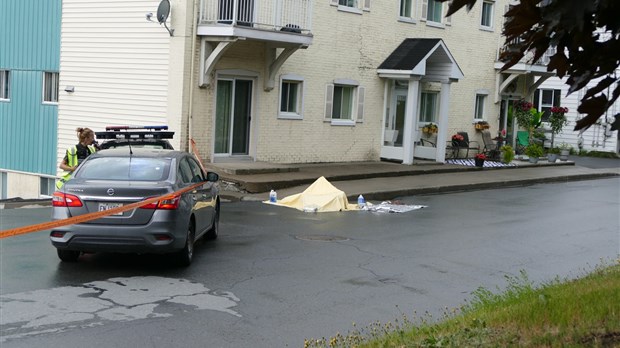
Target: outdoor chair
[[523, 140], [491, 148], [427, 143], [455, 146]]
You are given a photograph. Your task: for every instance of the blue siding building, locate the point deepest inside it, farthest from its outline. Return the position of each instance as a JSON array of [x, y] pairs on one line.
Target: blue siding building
[[29, 70]]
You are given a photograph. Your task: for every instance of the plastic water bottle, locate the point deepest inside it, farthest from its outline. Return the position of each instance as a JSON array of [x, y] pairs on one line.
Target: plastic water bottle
[[361, 202], [273, 196]]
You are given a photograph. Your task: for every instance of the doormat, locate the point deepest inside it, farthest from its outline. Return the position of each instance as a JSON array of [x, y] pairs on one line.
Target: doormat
[[471, 163]]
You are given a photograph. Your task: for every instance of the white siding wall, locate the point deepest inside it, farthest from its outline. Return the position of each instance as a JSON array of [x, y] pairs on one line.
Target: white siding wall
[[118, 63], [594, 138]]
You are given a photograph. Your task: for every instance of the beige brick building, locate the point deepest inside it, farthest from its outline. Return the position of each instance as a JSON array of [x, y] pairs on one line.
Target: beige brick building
[[294, 81]]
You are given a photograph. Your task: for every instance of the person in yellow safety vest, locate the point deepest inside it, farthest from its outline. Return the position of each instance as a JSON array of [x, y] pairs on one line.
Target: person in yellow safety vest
[[76, 154]]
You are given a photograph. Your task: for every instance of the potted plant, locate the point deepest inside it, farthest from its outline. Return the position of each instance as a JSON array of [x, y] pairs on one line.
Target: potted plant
[[457, 139], [480, 125], [508, 153], [534, 151], [557, 121], [552, 154], [527, 116], [479, 159], [564, 151], [430, 128]]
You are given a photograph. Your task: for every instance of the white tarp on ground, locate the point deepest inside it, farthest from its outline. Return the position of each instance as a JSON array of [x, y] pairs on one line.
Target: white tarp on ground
[[392, 207], [322, 196]]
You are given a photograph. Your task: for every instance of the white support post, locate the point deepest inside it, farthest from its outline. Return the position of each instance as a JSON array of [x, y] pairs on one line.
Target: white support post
[[444, 103], [410, 120]]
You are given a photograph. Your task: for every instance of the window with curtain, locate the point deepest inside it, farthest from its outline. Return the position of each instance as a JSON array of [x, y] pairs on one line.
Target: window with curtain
[[50, 87], [545, 99], [429, 106], [348, 3], [479, 111], [434, 11], [406, 8], [487, 14], [291, 93], [223, 111], [343, 102]]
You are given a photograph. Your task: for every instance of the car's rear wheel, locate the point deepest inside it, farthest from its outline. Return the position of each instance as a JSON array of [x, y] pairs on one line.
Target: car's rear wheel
[[68, 255], [185, 256], [215, 228]]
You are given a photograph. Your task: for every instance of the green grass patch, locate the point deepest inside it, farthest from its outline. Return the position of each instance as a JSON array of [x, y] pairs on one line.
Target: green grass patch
[[573, 313]]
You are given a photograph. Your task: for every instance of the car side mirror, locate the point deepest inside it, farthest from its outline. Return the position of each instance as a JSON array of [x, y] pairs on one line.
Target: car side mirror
[[213, 177]]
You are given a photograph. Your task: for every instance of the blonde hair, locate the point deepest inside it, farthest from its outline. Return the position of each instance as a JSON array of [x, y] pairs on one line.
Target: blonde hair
[[83, 133]]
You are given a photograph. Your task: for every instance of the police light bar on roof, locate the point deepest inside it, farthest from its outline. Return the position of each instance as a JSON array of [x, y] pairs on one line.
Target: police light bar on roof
[[135, 132], [118, 128]]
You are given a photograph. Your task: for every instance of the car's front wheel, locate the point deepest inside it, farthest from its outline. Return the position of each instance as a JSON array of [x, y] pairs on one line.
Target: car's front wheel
[[185, 256], [68, 255]]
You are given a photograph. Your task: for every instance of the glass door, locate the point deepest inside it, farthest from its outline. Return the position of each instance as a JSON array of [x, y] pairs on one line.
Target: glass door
[[507, 121], [232, 116], [395, 122]]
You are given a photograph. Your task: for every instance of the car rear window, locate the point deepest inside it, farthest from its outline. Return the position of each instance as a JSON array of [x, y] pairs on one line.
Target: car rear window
[[125, 168]]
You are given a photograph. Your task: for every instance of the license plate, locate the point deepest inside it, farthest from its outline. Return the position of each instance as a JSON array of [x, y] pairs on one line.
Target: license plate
[[108, 206]]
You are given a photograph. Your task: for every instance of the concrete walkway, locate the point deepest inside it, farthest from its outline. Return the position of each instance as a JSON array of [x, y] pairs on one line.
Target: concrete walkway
[[385, 180]]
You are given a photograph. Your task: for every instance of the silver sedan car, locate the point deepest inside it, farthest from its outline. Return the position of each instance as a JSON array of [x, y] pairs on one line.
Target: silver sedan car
[[116, 177]]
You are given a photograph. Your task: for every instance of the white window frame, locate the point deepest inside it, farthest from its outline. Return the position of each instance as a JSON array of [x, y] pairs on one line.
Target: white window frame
[[50, 80], [356, 110], [352, 6], [443, 19], [435, 110], [51, 186], [491, 3], [5, 85], [547, 107], [407, 17], [3, 185], [440, 11], [480, 105], [299, 81]]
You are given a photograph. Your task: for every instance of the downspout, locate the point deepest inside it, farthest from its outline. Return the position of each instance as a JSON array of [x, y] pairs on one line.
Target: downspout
[[191, 79]]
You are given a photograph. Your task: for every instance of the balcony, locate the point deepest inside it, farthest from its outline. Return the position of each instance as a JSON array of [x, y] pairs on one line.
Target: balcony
[[524, 77], [525, 64], [280, 22]]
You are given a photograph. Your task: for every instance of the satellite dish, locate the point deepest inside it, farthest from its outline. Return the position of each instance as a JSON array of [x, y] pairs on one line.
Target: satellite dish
[[163, 11]]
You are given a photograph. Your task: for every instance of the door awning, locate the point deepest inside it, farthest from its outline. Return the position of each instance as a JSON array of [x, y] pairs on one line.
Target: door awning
[[429, 59]]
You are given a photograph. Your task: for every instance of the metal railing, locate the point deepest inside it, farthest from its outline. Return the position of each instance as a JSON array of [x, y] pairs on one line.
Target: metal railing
[[293, 16], [544, 60]]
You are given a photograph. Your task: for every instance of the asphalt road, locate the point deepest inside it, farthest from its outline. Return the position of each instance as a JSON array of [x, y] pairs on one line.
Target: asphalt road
[[595, 162], [277, 276]]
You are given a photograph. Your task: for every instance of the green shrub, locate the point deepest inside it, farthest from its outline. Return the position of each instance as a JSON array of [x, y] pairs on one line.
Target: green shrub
[[534, 150], [508, 153]]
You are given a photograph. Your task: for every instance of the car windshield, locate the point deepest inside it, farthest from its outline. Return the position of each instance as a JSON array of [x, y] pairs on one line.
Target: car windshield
[[125, 168]]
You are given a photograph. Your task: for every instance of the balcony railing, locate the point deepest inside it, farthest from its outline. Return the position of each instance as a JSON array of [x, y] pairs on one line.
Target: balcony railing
[[293, 16], [544, 60]]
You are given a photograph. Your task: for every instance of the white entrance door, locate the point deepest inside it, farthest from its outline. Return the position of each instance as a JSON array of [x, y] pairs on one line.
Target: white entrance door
[[394, 127]]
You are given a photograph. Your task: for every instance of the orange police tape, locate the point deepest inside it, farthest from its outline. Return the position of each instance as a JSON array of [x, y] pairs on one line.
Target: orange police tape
[[90, 216], [197, 154]]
